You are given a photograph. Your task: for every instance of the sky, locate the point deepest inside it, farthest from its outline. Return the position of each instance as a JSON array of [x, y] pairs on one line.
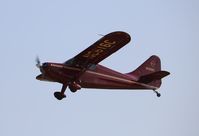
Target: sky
[[58, 30]]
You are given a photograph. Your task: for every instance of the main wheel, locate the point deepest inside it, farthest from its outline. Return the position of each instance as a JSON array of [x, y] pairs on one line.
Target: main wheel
[[72, 89], [59, 95]]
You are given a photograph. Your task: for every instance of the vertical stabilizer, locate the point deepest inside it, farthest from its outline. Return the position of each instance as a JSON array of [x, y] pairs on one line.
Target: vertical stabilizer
[[150, 72]]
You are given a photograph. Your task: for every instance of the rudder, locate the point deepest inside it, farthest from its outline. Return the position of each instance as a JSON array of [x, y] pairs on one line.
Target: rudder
[[150, 72]]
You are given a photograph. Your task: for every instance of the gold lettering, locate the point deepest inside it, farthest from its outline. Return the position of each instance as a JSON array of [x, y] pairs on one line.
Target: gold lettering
[[107, 41], [87, 54], [99, 49], [107, 44]]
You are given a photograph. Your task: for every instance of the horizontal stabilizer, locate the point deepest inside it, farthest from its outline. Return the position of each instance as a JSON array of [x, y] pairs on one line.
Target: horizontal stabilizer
[[153, 76]]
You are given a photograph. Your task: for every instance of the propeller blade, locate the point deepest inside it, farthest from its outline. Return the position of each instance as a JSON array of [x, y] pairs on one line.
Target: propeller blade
[[38, 63]]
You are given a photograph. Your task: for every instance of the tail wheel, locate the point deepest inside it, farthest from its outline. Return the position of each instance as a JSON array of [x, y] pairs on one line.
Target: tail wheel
[[157, 93]]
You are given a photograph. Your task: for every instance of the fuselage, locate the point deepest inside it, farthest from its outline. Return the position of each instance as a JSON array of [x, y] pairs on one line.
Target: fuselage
[[97, 76]]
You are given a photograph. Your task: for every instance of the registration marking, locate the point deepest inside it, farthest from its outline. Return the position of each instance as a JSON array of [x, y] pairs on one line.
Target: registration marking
[[102, 47]]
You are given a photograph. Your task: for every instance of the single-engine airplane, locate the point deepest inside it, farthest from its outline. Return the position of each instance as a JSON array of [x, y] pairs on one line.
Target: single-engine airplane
[[83, 70]]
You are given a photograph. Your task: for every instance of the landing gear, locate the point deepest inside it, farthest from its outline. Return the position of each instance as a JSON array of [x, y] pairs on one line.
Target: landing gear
[[74, 87], [61, 95], [157, 93]]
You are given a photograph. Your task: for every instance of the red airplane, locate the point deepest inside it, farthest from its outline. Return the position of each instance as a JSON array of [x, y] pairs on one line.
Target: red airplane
[[83, 70]]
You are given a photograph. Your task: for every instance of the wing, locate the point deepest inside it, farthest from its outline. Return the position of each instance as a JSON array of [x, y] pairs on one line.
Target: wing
[[101, 49]]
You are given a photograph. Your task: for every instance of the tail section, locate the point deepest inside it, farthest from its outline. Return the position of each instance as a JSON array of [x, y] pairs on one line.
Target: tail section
[[150, 72]]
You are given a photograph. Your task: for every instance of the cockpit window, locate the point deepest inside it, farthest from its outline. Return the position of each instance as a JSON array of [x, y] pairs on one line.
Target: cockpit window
[[92, 67], [69, 62]]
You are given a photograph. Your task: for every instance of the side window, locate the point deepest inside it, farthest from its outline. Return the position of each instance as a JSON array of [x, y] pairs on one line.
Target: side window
[[92, 67]]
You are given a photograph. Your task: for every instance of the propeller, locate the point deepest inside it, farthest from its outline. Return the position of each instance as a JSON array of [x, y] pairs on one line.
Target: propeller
[[38, 63]]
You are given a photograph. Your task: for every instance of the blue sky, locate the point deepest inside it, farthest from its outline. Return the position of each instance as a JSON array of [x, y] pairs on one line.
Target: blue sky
[[58, 30]]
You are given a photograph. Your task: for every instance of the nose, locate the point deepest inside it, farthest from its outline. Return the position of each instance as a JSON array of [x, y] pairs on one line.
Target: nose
[[44, 65]]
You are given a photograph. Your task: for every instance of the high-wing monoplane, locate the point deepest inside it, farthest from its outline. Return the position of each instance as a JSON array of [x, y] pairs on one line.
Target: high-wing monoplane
[[84, 70]]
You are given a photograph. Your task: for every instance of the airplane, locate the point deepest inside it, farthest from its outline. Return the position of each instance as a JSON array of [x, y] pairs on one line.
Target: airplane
[[84, 70]]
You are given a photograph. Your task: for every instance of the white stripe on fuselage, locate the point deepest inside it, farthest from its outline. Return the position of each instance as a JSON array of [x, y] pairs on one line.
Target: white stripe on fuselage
[[66, 67], [121, 79]]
